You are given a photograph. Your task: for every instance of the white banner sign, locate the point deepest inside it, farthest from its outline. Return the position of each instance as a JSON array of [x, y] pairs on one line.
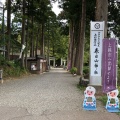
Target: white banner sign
[[97, 34]]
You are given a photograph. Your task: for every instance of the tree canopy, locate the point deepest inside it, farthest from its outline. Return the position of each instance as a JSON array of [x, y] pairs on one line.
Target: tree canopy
[[37, 27]]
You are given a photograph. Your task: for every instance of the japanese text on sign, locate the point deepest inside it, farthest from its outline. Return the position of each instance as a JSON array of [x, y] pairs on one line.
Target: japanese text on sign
[[109, 58], [96, 53]]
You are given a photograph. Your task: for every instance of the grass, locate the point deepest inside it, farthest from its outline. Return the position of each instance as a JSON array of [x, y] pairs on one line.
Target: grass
[[81, 87], [103, 99]]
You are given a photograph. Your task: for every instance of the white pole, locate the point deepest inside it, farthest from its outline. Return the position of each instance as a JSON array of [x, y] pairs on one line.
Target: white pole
[[23, 47]]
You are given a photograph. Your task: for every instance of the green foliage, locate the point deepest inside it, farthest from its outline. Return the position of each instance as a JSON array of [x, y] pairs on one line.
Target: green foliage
[[119, 91], [61, 49], [103, 99], [119, 58], [1, 59], [86, 70], [13, 71], [11, 68], [114, 15], [42, 13], [5, 63], [81, 87], [73, 70], [118, 67], [87, 47], [118, 76]]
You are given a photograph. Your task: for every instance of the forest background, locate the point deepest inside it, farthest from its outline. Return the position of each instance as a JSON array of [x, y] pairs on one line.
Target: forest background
[[43, 33]]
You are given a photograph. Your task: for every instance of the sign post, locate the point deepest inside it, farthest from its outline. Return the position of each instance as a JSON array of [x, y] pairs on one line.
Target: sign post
[[96, 36]]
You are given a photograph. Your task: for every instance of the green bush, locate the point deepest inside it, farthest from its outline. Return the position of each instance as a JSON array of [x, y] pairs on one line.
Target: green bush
[[17, 62], [85, 69], [13, 71], [73, 70], [119, 91], [103, 99], [118, 67], [118, 76], [11, 68]]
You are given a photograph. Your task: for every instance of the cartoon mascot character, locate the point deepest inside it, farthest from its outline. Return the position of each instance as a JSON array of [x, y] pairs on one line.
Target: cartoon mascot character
[[112, 95], [89, 92]]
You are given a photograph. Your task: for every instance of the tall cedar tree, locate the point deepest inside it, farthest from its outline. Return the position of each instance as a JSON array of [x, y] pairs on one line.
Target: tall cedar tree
[[8, 3]]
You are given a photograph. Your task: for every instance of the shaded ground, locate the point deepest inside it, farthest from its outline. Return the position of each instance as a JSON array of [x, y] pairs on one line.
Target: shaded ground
[[50, 96]]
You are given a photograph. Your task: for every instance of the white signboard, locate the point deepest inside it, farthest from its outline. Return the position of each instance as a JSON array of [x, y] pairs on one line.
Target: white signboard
[[96, 51], [97, 34]]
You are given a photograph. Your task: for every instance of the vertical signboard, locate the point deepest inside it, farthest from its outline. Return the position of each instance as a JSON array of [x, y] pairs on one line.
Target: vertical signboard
[[109, 61], [97, 34]]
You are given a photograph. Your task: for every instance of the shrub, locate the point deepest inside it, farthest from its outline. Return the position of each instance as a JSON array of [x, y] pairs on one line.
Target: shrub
[[85, 69], [118, 77], [73, 70], [11, 68]]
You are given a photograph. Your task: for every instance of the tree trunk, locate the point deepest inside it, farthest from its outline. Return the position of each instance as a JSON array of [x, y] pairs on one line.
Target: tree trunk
[[102, 12], [23, 34], [31, 36], [48, 47], [27, 35], [77, 54], [79, 58], [32, 41], [82, 36], [69, 61], [42, 41], [8, 29], [37, 42], [73, 45]]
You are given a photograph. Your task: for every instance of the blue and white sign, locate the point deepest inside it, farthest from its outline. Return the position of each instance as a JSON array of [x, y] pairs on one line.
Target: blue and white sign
[[89, 93], [113, 107]]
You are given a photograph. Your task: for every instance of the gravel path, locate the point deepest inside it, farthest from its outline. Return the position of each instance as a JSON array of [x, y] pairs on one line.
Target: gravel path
[[50, 96]]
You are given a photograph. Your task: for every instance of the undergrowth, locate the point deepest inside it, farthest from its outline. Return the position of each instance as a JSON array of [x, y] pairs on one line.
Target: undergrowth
[[11, 68]]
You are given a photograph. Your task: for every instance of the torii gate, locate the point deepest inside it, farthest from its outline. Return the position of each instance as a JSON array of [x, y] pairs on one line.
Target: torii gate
[[63, 62], [53, 59]]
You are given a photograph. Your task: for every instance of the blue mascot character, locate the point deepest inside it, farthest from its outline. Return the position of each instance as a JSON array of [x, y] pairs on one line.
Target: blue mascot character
[[112, 107], [89, 93]]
